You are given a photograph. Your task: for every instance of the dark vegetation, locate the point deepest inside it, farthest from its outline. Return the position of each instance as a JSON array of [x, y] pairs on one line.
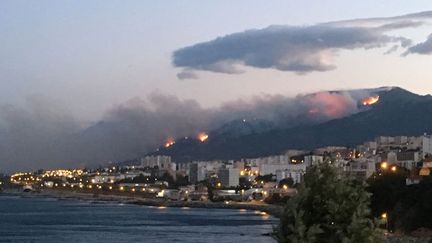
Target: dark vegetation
[[408, 207]]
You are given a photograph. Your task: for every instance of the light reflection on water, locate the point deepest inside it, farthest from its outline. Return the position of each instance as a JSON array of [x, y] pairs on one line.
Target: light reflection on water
[[45, 220]]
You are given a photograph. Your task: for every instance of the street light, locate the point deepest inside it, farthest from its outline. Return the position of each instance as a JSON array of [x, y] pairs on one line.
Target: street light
[[384, 165], [385, 219], [393, 168]]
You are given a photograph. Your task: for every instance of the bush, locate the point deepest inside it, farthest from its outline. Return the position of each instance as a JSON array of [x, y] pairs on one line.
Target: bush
[[328, 209]]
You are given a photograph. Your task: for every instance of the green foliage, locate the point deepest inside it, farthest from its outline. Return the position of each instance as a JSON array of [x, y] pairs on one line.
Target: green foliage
[[244, 183], [276, 199], [328, 209], [287, 181], [406, 206], [181, 181], [387, 188], [139, 179], [168, 178], [412, 208], [265, 178]]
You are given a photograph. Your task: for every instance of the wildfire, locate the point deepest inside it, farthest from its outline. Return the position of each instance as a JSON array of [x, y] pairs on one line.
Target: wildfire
[[202, 136], [169, 142], [370, 100]]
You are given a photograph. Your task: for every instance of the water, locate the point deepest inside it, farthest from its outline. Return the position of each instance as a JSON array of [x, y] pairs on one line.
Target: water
[[50, 220]]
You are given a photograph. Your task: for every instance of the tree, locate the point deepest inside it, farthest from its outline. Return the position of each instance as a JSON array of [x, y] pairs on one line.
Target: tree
[[387, 189], [265, 178], [287, 181], [328, 209]]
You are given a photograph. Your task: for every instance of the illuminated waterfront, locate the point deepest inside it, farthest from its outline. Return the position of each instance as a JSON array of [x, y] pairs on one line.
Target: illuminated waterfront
[[49, 220]]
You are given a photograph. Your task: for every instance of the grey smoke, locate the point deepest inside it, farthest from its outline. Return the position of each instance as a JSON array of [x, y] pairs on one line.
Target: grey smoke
[[29, 136], [42, 134], [299, 49]]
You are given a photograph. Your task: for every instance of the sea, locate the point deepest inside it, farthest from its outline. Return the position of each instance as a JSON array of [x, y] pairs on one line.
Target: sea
[[35, 219]]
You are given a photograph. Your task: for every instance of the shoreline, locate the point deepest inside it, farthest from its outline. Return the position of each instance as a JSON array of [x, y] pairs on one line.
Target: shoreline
[[273, 210]]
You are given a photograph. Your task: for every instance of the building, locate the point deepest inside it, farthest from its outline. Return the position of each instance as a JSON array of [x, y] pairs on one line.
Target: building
[[160, 161], [201, 170], [293, 171], [408, 159], [426, 145], [313, 159], [229, 177], [197, 173], [360, 168], [267, 169]]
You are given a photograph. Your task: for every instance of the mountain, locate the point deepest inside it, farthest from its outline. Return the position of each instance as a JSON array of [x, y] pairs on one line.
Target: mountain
[[238, 128], [398, 112]]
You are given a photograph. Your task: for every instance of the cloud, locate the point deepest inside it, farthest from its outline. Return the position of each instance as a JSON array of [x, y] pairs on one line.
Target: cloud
[[299, 49], [187, 74], [424, 48], [408, 20]]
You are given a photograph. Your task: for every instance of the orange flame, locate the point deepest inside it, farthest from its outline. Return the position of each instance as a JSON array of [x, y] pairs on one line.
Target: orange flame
[[202, 136], [169, 142], [370, 100]]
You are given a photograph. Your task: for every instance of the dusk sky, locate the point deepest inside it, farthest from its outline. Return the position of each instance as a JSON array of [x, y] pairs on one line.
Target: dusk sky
[[91, 55]]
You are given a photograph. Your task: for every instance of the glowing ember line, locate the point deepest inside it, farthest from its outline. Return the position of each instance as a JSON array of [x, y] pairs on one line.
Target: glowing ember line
[[370, 100], [202, 136], [169, 142]]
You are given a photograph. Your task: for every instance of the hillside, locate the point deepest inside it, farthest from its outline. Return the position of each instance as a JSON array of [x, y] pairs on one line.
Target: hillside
[[398, 112]]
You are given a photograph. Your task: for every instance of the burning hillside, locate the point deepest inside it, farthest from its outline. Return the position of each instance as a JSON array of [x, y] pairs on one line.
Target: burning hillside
[[169, 142], [368, 101], [202, 136]]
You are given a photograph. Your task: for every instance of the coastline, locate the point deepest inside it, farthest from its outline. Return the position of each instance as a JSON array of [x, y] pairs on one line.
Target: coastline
[[273, 210]]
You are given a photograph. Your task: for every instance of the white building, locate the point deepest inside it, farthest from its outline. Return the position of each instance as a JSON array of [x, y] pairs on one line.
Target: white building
[[267, 169], [201, 170], [426, 145], [160, 161], [313, 159], [229, 177], [293, 171], [360, 168]]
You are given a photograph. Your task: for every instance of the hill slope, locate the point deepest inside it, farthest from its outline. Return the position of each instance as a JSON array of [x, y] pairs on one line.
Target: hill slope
[[398, 112]]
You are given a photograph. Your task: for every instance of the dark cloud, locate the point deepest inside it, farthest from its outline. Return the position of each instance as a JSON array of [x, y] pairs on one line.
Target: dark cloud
[[187, 75], [299, 49], [424, 48]]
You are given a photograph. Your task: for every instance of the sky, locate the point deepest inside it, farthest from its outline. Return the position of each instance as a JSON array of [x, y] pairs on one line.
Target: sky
[[92, 55], [158, 70]]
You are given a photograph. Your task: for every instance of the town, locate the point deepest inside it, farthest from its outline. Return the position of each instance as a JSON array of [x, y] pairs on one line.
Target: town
[[260, 180]]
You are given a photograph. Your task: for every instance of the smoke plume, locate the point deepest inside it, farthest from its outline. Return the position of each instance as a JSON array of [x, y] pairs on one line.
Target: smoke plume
[[44, 135]]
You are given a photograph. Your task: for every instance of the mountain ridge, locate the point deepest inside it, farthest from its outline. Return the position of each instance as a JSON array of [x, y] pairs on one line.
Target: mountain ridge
[[398, 112]]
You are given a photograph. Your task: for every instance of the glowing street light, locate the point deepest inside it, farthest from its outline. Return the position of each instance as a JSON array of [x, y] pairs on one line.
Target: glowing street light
[[393, 168], [384, 165], [385, 219]]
